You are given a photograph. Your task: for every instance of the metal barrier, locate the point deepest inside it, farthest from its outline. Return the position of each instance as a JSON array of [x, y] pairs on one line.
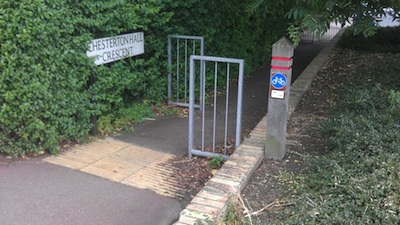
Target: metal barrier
[[208, 124], [327, 36], [178, 66]]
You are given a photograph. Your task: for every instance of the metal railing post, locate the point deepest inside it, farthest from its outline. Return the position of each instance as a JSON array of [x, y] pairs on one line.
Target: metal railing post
[[213, 122]]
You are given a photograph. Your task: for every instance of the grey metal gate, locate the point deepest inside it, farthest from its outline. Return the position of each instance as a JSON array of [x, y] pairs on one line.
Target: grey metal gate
[[207, 119], [180, 47]]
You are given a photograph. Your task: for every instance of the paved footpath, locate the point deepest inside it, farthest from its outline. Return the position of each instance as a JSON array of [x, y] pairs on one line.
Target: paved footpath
[[124, 179]]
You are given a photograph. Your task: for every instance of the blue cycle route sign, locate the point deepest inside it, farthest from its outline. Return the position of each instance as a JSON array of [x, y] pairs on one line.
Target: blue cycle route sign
[[278, 81]]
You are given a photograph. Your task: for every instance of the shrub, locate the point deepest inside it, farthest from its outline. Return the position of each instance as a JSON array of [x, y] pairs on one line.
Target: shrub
[[124, 119], [43, 77], [357, 180]]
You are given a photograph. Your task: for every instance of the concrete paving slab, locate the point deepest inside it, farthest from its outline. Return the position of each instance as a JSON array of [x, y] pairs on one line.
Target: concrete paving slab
[[123, 163]]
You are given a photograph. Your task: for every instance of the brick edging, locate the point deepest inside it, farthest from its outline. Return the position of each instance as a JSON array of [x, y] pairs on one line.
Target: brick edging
[[210, 204]]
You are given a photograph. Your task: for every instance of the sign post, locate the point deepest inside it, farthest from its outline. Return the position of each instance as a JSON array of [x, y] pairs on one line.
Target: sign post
[[110, 49], [278, 100]]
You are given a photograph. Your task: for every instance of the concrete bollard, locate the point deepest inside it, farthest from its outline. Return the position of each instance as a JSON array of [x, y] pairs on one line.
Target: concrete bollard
[[278, 100]]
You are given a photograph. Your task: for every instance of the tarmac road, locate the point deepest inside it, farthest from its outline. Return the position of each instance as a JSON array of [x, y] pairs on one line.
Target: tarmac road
[[33, 192]]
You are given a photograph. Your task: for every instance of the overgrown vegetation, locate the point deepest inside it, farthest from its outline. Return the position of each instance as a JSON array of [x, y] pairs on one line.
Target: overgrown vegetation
[[356, 180], [124, 119], [44, 71], [216, 162]]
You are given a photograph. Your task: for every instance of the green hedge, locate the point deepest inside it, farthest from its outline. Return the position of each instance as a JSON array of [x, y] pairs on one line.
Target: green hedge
[[44, 93], [43, 77], [230, 30]]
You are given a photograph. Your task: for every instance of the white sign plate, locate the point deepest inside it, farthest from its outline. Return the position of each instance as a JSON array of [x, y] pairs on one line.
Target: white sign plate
[[110, 49], [277, 94]]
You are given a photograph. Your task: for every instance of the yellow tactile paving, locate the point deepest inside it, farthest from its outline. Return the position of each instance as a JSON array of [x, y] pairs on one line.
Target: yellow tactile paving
[[65, 162], [124, 163], [138, 155], [161, 182], [81, 158], [104, 173], [116, 166]]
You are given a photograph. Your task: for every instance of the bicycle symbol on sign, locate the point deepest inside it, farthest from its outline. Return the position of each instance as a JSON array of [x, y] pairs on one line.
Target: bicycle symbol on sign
[[278, 81]]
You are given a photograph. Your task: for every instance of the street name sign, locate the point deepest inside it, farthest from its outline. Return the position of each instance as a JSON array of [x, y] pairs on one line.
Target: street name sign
[[110, 49]]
